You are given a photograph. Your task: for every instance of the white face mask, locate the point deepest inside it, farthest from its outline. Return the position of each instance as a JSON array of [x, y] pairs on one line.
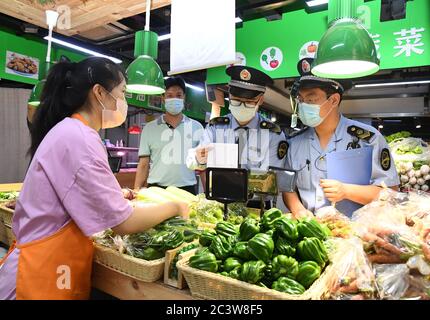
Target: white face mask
[[114, 118], [242, 114], [174, 106]]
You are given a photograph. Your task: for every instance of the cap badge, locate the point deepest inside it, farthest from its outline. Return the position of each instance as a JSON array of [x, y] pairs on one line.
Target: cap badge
[[245, 75]]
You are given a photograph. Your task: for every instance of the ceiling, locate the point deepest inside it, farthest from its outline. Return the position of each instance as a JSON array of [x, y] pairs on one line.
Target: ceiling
[[112, 32]]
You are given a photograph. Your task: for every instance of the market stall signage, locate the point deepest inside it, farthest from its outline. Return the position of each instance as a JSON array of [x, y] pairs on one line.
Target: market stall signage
[[400, 43]]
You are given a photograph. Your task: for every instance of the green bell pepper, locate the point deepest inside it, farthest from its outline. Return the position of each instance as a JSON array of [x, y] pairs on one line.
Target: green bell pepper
[[226, 229], [248, 229], [283, 266], [309, 271], [224, 273], [235, 273], [312, 249], [252, 271], [231, 263], [287, 228], [269, 218], [261, 246], [287, 285], [283, 246], [221, 247], [206, 238], [204, 261], [309, 227], [241, 251], [152, 254]]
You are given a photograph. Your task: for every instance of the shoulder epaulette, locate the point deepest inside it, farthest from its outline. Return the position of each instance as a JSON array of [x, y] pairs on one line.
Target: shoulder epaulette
[[297, 133], [273, 127], [219, 121], [360, 133]]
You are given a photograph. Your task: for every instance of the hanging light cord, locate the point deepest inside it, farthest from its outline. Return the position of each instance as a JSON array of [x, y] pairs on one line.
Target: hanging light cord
[[147, 14]]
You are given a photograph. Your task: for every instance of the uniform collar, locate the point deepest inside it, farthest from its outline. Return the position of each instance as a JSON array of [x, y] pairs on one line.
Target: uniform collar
[[254, 124]]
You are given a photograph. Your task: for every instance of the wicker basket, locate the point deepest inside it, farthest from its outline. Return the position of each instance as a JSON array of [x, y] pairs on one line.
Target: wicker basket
[[6, 215], [212, 286], [139, 269], [3, 234], [10, 237]]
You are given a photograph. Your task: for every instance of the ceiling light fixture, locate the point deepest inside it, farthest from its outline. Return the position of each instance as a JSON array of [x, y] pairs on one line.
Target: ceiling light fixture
[[391, 84], [346, 50], [314, 3], [81, 49]]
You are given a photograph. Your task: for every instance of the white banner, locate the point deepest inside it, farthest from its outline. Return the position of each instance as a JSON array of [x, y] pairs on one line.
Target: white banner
[[203, 34]]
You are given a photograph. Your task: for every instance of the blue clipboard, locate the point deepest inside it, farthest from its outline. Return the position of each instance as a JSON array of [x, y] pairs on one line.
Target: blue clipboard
[[351, 166]]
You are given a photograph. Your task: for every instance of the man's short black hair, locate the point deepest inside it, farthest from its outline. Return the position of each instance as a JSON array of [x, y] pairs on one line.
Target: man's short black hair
[[175, 81]]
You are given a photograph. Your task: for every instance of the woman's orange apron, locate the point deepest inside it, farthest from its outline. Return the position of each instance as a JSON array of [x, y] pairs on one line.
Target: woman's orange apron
[[56, 267]]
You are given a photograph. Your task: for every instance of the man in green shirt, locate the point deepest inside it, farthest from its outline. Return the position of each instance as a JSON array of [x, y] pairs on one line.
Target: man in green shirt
[[165, 143]]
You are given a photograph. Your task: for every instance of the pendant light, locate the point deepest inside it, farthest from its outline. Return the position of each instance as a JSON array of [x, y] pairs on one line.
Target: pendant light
[[51, 21], [346, 50], [144, 73]]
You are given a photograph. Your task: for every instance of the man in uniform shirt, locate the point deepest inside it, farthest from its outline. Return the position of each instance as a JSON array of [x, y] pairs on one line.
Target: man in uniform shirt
[[329, 131], [165, 143], [261, 143]]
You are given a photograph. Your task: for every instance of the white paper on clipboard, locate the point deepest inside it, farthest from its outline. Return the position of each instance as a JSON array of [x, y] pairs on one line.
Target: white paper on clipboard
[[223, 155], [351, 166]]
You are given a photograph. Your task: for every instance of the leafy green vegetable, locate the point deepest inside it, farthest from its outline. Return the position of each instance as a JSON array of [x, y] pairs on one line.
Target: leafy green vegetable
[[9, 195], [398, 136]]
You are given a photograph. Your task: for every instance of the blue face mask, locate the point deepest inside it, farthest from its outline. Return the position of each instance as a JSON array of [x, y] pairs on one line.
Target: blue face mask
[[309, 114], [174, 106]]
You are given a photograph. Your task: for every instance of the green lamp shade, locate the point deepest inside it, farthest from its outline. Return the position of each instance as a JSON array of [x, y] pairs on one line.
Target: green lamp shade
[[36, 93], [145, 76], [346, 51]]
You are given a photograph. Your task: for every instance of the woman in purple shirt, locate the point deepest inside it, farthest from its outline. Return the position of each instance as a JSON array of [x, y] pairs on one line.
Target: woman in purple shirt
[[70, 192]]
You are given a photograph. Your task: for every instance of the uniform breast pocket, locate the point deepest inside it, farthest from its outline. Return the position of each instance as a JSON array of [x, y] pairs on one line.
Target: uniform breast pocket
[[303, 174]]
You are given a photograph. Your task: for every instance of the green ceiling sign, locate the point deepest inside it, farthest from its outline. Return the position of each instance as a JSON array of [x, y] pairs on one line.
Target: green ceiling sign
[[276, 47]]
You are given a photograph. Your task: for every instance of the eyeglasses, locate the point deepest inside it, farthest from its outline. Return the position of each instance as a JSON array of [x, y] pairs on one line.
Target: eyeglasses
[[238, 103]]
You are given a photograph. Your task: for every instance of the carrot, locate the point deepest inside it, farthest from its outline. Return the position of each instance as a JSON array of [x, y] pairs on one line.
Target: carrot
[[351, 288], [384, 258], [426, 251], [378, 241]]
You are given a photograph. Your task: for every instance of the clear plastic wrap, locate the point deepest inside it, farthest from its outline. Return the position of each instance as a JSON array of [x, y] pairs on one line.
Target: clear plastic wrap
[[350, 276], [392, 280], [382, 225], [397, 281], [338, 223]]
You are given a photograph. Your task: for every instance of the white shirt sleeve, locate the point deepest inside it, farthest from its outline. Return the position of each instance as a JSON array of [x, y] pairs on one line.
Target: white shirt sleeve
[[205, 140]]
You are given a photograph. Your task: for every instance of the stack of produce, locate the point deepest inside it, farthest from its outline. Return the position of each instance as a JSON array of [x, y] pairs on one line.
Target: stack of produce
[[278, 252], [202, 210], [412, 159], [8, 196], [351, 277], [395, 238], [154, 243]]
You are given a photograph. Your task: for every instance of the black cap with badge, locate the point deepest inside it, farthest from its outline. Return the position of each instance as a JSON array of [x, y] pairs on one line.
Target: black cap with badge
[[247, 82], [307, 80]]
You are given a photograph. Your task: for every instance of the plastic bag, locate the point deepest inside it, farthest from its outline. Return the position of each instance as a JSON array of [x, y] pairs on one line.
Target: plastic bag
[[392, 280], [382, 227], [338, 223], [350, 276], [410, 150]]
